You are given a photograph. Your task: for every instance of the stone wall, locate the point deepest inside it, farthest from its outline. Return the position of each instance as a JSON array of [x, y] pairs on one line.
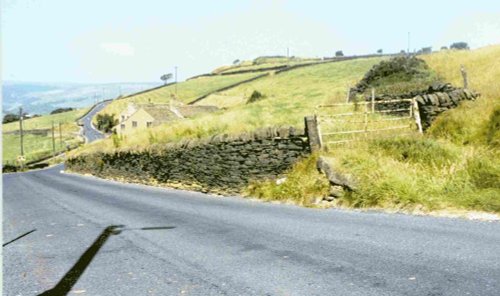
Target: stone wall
[[431, 102], [221, 164]]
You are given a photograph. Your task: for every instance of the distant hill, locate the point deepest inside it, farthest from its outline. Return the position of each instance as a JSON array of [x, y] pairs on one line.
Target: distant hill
[[42, 98]]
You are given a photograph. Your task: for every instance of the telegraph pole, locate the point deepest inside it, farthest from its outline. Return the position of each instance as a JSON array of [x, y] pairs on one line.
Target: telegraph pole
[[60, 135], [53, 141], [408, 43], [21, 129], [176, 81]]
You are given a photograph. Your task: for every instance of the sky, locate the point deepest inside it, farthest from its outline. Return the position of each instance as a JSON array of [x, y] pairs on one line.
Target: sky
[[97, 41]]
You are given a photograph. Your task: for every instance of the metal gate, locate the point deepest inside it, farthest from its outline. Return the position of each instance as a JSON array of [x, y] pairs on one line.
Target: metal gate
[[346, 122]]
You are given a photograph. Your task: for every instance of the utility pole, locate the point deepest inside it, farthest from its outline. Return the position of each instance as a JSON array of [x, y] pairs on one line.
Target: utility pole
[[176, 81], [408, 43], [53, 141], [60, 135], [21, 129]]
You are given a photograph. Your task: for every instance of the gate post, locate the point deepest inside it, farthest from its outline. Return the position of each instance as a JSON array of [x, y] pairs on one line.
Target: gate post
[[313, 133]]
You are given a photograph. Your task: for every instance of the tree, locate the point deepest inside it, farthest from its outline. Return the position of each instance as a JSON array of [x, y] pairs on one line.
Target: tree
[[339, 53], [444, 47], [380, 51], [166, 77], [61, 110], [105, 122], [10, 118], [236, 62], [459, 45]]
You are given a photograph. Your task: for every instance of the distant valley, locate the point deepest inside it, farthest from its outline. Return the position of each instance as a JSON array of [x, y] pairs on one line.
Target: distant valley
[[42, 98]]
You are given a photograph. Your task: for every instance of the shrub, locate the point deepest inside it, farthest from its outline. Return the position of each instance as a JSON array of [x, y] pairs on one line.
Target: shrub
[[105, 122], [255, 96], [10, 118], [339, 53], [398, 75], [459, 45], [61, 110]]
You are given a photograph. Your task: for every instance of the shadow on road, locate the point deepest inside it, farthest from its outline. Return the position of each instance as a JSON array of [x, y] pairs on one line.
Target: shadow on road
[[71, 277], [21, 236]]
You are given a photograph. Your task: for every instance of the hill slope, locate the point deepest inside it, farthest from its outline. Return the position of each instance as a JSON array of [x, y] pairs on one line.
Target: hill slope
[[454, 167], [289, 97]]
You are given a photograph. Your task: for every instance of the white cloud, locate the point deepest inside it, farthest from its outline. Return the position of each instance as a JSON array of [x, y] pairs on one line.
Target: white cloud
[[118, 48]]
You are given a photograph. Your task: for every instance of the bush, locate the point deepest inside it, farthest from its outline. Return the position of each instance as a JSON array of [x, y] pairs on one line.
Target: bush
[[105, 122], [62, 110], [398, 75], [339, 53], [459, 46], [255, 96], [10, 118]]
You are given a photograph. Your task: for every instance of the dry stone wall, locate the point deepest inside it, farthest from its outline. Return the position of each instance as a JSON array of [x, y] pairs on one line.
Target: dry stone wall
[[431, 102], [221, 164]]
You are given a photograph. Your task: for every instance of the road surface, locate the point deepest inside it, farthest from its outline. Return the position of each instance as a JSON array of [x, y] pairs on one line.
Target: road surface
[[90, 133], [57, 236]]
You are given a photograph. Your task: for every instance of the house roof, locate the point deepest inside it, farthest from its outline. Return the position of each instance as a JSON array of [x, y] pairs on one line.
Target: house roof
[[160, 113], [192, 110]]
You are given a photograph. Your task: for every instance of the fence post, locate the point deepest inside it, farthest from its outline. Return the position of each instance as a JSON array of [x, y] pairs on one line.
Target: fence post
[[464, 76], [313, 133], [373, 100], [366, 119], [416, 113]]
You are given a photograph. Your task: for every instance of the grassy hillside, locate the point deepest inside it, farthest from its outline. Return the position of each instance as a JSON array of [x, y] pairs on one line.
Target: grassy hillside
[[39, 146], [288, 98], [186, 91], [455, 167]]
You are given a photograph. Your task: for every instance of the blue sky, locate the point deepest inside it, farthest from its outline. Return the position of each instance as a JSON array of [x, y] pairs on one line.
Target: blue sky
[[128, 41]]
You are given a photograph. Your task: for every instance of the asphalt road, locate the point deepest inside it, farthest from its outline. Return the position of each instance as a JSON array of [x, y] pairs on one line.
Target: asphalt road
[[196, 244], [89, 132]]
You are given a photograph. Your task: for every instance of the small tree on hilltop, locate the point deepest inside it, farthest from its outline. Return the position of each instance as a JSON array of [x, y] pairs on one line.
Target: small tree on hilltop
[[166, 77], [339, 53], [380, 51], [460, 45], [236, 62]]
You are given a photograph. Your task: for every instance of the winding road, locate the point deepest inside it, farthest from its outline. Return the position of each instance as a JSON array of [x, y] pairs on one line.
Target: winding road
[[90, 133], [66, 233]]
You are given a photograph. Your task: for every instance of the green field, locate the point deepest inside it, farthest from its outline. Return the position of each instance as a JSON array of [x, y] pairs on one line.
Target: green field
[[454, 167], [289, 97], [187, 91], [39, 146]]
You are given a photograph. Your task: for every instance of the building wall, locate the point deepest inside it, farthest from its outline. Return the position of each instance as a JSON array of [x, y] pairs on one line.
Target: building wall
[[141, 118]]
